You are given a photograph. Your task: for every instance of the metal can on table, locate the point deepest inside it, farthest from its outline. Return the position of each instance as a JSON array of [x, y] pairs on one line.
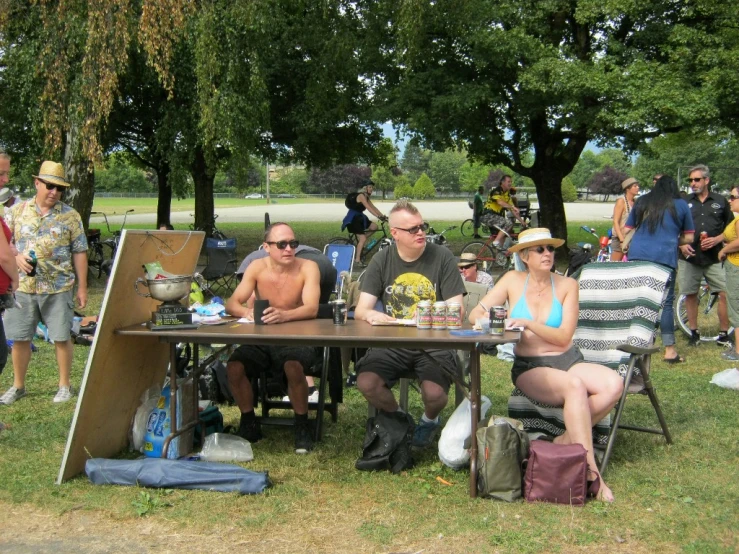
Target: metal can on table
[[339, 312], [423, 314], [454, 315], [497, 320], [438, 316]]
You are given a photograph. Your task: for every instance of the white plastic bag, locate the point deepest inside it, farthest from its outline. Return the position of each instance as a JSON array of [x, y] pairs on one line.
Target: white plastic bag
[[728, 379], [222, 447], [452, 452], [505, 352], [148, 402]]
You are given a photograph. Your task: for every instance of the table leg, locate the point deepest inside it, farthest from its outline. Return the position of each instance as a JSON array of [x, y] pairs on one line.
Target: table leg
[[172, 398], [475, 405]]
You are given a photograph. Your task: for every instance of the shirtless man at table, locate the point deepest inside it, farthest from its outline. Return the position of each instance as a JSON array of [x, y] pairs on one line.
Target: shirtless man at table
[[292, 287]]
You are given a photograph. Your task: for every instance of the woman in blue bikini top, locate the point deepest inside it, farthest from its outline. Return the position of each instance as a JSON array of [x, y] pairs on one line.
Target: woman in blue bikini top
[[548, 368]]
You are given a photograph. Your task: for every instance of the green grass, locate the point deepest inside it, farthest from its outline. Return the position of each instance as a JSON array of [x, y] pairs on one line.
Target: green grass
[[149, 205], [678, 498]]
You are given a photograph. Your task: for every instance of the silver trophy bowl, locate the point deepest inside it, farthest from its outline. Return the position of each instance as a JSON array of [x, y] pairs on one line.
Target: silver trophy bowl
[[166, 290]]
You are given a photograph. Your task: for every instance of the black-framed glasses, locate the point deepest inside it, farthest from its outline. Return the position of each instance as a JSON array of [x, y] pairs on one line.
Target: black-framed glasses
[[282, 244], [694, 179], [50, 186], [540, 249], [732, 197], [414, 230]]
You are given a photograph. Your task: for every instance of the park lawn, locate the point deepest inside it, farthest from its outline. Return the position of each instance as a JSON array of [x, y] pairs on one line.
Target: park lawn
[[678, 498], [110, 205]]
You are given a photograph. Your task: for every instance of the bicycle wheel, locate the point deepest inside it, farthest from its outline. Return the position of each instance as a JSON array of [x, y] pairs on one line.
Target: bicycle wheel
[[467, 228], [95, 259], [340, 240], [708, 326], [484, 254]]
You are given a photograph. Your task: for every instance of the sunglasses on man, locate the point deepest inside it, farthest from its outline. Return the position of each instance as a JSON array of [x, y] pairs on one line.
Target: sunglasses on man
[[461, 267], [694, 179], [732, 197], [51, 187], [414, 230], [282, 244]]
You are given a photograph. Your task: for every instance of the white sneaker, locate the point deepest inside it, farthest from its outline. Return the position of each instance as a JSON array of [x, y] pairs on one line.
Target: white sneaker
[[286, 398], [313, 398], [11, 395], [64, 394]]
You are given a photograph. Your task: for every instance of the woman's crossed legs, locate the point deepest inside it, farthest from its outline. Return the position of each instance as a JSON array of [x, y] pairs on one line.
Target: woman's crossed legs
[[588, 393]]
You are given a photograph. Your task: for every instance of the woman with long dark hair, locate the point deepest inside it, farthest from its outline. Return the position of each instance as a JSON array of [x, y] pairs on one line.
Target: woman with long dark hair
[[662, 221]]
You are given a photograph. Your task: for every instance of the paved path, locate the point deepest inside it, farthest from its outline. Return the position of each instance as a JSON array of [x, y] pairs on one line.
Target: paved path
[[432, 211]]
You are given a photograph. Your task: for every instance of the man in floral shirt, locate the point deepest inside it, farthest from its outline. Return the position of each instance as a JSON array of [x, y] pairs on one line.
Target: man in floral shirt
[[54, 232]]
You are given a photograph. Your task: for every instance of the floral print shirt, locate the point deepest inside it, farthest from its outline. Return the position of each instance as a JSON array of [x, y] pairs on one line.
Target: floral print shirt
[[54, 237]]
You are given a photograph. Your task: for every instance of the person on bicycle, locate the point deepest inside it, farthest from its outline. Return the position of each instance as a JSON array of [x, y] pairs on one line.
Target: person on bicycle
[[499, 200], [356, 221]]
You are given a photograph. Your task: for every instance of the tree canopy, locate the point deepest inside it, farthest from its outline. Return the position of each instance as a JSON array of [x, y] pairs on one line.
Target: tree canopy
[[503, 79]]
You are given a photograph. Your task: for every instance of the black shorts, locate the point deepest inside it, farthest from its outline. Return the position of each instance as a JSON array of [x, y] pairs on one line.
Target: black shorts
[[359, 224], [391, 363], [563, 361], [272, 359]]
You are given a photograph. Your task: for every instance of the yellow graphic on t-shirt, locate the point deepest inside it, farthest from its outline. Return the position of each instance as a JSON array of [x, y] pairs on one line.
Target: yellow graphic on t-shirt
[[405, 292]]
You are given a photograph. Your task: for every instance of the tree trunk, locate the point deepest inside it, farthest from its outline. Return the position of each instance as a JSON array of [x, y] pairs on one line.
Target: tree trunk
[[80, 174], [164, 194], [551, 206], [203, 178]]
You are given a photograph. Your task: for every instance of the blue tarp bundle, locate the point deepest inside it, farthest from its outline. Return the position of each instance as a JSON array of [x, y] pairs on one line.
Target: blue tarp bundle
[[176, 474]]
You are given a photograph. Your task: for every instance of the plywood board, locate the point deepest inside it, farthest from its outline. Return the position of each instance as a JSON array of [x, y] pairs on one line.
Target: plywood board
[[120, 368]]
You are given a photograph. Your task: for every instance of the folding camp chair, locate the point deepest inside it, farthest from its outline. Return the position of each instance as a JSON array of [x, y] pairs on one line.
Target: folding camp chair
[[620, 304], [328, 368], [221, 265], [342, 258]]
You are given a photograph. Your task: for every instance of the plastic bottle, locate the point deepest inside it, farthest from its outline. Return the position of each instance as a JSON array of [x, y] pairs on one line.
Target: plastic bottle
[[371, 243], [33, 261]]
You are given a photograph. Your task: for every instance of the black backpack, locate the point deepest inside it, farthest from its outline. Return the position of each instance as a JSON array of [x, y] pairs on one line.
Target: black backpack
[[387, 442], [351, 202]]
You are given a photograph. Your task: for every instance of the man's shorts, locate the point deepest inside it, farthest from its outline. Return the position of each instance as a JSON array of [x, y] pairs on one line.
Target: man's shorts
[[492, 220], [360, 223], [689, 277], [391, 363], [272, 359], [732, 294], [55, 310]]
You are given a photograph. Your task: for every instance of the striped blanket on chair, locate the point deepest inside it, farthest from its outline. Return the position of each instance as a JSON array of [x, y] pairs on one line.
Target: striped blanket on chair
[[620, 304]]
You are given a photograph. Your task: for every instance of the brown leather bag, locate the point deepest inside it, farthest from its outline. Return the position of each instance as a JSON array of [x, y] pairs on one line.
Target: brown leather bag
[[556, 473]]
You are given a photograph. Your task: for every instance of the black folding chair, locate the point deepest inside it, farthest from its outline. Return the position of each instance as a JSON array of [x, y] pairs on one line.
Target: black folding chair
[[220, 269]]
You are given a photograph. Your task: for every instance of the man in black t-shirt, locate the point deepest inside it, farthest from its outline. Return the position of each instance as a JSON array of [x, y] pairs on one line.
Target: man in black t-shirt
[[711, 214], [400, 276]]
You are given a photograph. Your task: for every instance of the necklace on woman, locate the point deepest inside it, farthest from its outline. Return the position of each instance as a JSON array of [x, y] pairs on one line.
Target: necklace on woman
[[542, 289]]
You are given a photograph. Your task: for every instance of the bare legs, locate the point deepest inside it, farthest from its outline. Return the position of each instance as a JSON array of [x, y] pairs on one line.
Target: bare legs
[[362, 240], [587, 391], [374, 389], [297, 387]]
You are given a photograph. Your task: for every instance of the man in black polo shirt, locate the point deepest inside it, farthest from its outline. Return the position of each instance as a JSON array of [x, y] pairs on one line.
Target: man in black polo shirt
[[711, 214]]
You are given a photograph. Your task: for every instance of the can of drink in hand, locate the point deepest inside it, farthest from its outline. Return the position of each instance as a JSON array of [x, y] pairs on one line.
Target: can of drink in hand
[[438, 316], [423, 314], [339, 312], [497, 320], [454, 315]]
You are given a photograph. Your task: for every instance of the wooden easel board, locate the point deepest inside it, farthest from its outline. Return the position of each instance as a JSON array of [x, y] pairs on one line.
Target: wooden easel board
[[119, 369]]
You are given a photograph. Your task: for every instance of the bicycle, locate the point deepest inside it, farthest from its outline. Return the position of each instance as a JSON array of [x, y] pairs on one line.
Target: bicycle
[[604, 254], [96, 258], [369, 247], [491, 257], [210, 228], [432, 237], [708, 325], [468, 228]]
